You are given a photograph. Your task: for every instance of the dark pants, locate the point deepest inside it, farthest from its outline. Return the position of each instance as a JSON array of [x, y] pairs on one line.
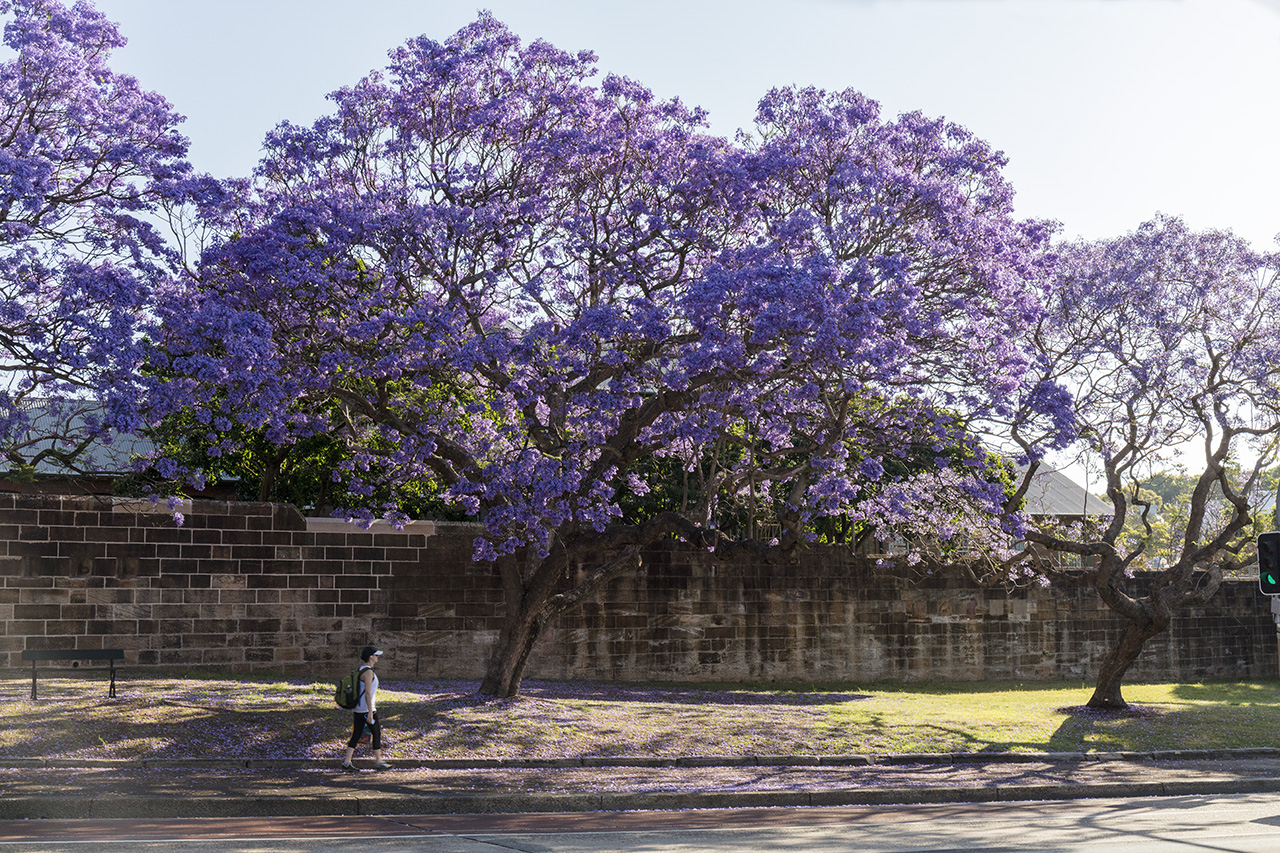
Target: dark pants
[[357, 729]]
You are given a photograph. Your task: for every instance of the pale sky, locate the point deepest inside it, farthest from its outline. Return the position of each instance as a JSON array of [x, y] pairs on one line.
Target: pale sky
[[1109, 110]]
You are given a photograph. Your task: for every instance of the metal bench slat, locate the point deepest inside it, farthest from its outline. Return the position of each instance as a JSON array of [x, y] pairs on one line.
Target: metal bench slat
[[73, 654]]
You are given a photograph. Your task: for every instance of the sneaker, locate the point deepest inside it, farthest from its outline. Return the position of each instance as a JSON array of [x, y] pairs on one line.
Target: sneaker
[[348, 767], [382, 765]]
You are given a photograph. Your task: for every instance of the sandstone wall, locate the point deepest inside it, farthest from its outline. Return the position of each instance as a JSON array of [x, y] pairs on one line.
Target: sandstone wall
[[258, 587]]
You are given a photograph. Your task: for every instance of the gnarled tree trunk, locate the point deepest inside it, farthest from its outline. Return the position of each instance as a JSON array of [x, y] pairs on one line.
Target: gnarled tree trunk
[[530, 593], [535, 597], [1145, 616], [1106, 692]]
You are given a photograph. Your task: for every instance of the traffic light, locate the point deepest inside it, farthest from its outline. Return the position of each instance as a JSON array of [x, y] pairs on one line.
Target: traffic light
[[1269, 563]]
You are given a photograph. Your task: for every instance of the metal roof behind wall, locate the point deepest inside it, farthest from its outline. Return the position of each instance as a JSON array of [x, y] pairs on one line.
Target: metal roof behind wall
[[99, 457], [1054, 493]]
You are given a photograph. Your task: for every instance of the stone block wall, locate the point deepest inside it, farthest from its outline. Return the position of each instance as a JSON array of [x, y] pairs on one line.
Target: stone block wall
[[235, 584], [258, 587]]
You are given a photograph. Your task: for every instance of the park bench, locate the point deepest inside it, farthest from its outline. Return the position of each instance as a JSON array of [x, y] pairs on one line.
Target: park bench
[[76, 655]]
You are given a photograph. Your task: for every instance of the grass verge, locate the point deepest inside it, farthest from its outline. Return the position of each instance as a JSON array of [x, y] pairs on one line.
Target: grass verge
[[180, 718]]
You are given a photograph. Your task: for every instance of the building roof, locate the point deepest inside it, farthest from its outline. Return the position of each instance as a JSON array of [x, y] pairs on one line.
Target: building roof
[[1054, 493], [54, 425]]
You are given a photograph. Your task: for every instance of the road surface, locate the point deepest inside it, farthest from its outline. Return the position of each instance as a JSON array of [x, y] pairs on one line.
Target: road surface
[[1239, 823]]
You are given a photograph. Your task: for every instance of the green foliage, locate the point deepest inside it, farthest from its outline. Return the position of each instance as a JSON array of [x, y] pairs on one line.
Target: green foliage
[[756, 512], [669, 488], [308, 473], [21, 472], [955, 449], [1268, 482]]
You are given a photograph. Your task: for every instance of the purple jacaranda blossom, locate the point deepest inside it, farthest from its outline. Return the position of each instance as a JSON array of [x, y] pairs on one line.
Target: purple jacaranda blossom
[[88, 161], [485, 270]]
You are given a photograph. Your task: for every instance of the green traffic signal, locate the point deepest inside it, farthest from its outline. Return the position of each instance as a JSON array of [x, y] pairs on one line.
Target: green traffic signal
[[1269, 563]]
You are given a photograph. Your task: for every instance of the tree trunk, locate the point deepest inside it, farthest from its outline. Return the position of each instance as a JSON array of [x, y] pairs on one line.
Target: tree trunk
[[1106, 692], [505, 670], [538, 595], [528, 598]]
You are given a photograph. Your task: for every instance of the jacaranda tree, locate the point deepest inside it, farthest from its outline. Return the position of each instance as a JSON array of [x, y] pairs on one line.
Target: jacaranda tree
[[531, 289], [86, 156], [1168, 337]]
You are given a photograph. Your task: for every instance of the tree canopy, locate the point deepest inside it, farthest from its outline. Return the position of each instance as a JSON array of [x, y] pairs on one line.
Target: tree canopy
[[526, 286]]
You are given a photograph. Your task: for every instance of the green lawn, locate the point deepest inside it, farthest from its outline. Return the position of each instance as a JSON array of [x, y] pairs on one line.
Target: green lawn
[[1022, 718], [249, 718]]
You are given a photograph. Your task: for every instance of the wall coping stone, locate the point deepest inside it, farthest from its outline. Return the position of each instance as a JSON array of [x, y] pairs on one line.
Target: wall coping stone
[[341, 525], [146, 505]]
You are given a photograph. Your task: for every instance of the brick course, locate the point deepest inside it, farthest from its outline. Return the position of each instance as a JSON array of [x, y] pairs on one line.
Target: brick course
[[249, 586]]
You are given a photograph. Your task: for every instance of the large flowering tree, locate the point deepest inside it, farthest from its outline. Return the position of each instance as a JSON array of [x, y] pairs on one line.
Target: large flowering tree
[[86, 157], [484, 271], [1169, 339]]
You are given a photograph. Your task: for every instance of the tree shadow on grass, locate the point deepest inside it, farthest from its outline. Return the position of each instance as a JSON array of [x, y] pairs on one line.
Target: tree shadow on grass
[[1082, 725], [182, 719], [463, 694], [1081, 729], [170, 719]]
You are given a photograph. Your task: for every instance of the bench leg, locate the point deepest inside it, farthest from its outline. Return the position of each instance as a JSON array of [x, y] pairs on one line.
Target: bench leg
[[111, 692], [33, 680]]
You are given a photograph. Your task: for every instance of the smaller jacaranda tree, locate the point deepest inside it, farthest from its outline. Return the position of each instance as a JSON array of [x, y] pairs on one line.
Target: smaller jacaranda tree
[[1169, 339]]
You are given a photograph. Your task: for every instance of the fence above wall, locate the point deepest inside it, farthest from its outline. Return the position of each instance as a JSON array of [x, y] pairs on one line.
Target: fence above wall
[[256, 586]]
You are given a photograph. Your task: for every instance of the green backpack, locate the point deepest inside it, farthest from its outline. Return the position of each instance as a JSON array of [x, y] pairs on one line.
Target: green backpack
[[347, 693]]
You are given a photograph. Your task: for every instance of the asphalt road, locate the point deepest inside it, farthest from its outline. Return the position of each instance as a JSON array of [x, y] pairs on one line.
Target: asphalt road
[[1236, 823]]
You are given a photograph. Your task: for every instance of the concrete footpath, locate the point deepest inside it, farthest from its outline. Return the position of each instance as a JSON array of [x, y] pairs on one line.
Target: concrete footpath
[[69, 788]]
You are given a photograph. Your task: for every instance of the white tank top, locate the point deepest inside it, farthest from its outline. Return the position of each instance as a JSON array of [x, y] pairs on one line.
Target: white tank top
[[362, 707]]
